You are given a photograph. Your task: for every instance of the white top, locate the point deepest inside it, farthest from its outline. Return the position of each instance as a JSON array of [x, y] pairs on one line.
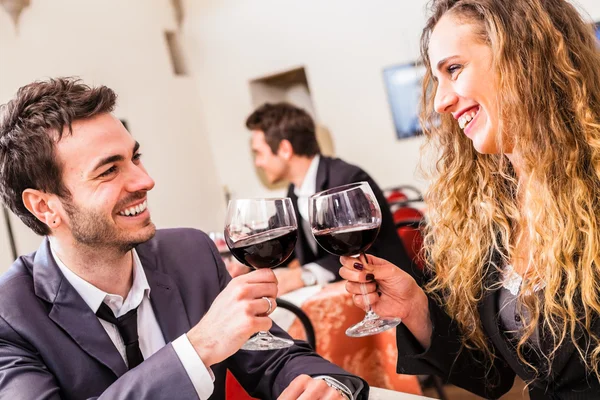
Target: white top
[[307, 189], [150, 336]]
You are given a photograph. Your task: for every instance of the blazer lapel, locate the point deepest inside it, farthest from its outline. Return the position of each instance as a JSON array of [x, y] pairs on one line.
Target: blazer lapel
[[489, 314], [301, 248], [165, 298], [71, 313], [322, 174]]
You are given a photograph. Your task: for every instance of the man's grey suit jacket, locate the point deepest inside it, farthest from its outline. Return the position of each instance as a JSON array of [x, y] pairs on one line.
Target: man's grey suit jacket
[[52, 345]]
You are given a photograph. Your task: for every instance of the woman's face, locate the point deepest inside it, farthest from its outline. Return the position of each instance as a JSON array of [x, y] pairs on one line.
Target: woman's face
[[466, 85]]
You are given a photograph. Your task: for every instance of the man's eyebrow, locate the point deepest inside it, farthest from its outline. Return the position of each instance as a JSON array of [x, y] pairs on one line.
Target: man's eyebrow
[[115, 157]]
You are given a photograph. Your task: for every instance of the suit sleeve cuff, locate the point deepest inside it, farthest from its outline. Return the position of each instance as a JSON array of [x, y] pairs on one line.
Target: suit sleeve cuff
[[324, 276], [202, 378], [334, 383]]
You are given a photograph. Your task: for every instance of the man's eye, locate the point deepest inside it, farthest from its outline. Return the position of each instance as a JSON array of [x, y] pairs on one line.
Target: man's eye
[[137, 156], [108, 171]]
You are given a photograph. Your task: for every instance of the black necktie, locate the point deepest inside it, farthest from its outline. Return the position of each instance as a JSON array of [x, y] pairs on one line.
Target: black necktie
[[127, 326]]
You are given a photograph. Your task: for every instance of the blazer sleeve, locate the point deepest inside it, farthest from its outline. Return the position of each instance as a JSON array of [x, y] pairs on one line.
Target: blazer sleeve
[[23, 375], [266, 374], [448, 358]]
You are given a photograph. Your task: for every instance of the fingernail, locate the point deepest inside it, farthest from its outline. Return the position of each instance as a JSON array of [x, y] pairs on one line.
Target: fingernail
[[379, 294], [358, 266], [370, 277]]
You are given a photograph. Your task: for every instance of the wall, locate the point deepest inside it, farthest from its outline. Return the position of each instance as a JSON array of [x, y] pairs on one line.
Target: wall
[[192, 128], [343, 44], [121, 44]]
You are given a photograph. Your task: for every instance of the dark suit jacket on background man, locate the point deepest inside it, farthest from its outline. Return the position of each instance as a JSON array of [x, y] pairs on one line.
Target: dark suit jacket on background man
[[333, 172]]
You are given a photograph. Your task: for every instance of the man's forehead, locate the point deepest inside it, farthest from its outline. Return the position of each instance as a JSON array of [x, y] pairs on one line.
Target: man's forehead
[[93, 139]]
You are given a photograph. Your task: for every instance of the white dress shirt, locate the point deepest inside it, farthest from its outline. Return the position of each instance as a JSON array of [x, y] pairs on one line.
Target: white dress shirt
[[150, 335], [307, 189]]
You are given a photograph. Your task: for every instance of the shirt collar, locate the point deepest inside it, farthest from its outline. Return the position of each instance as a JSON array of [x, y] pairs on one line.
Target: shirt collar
[[309, 184], [94, 296]]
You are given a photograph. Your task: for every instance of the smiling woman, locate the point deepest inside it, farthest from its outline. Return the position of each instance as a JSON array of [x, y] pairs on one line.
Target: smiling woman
[[512, 240]]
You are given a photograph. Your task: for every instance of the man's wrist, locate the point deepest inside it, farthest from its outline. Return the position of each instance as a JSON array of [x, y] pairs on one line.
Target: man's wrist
[[203, 350], [308, 277], [337, 385]]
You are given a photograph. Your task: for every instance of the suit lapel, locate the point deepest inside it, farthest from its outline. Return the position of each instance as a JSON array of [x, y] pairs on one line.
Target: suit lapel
[[488, 311], [322, 174], [165, 298], [71, 313], [489, 314], [301, 249]]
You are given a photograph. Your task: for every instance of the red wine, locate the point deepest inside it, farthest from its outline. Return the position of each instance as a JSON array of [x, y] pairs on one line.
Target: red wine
[[266, 249], [349, 240]]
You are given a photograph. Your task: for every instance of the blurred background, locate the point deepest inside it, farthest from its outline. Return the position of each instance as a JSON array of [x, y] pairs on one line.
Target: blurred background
[[189, 72]]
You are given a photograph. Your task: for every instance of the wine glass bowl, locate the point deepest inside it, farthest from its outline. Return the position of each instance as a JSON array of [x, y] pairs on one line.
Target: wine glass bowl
[[261, 233], [345, 221]]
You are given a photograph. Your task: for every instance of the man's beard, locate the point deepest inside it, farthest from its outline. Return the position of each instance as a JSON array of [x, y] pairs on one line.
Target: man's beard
[[93, 229]]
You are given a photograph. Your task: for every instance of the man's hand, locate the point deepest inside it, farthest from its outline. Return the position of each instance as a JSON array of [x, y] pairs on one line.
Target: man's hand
[[289, 279], [237, 313], [306, 388], [236, 268]]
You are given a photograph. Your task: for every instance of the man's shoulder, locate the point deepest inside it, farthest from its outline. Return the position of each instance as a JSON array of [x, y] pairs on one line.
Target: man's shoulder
[[178, 245], [176, 239], [338, 163], [342, 169], [17, 282]]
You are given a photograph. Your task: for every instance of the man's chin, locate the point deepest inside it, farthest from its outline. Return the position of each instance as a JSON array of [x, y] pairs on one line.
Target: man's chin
[[149, 232], [140, 238]]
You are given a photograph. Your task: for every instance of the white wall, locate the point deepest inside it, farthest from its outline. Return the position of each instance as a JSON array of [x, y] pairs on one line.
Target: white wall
[[121, 44], [344, 46], [5, 253]]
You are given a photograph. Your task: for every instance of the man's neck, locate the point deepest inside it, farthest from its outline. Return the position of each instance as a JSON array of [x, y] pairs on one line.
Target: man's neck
[[298, 168], [109, 269]]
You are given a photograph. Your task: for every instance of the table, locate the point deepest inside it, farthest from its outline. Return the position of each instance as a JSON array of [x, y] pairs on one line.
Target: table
[[373, 358], [384, 394]]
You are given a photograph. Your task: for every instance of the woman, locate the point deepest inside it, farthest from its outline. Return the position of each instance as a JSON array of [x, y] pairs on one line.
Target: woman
[[513, 236]]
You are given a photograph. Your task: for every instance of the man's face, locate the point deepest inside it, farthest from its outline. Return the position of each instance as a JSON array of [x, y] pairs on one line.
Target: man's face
[[274, 166], [108, 185]]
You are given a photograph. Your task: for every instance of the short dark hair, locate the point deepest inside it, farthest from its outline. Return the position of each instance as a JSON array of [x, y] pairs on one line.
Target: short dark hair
[[30, 126], [283, 121]]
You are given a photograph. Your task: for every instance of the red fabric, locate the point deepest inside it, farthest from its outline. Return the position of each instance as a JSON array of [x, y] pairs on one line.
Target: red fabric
[[411, 236], [233, 390], [396, 196]]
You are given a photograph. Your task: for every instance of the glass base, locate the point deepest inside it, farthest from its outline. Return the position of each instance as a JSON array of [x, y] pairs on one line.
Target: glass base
[[372, 325], [265, 341]]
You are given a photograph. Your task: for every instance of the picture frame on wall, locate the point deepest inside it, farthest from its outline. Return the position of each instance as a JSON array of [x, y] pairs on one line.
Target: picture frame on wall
[[403, 85]]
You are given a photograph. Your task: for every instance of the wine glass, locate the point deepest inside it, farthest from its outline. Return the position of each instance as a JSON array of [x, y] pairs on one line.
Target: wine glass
[[261, 233], [345, 221]]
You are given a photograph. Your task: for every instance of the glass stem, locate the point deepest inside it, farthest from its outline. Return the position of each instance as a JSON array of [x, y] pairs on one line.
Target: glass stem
[[263, 335], [363, 288]]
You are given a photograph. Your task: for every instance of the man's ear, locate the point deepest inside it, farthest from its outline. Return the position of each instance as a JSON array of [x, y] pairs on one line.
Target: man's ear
[[285, 150], [43, 206]]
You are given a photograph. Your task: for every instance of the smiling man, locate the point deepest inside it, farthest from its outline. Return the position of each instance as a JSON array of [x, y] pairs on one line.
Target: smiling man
[[109, 307]]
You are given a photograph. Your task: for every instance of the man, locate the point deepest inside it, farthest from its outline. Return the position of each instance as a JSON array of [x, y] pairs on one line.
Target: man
[[108, 307], [285, 148]]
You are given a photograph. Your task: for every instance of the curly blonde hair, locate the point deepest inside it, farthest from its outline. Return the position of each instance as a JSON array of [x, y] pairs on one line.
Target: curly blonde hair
[[546, 62]]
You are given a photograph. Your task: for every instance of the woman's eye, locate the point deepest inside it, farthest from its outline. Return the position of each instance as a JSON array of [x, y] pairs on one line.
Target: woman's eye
[[453, 68]]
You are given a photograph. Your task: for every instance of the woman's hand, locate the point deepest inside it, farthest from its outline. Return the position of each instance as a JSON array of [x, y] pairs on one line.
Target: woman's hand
[[391, 292]]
